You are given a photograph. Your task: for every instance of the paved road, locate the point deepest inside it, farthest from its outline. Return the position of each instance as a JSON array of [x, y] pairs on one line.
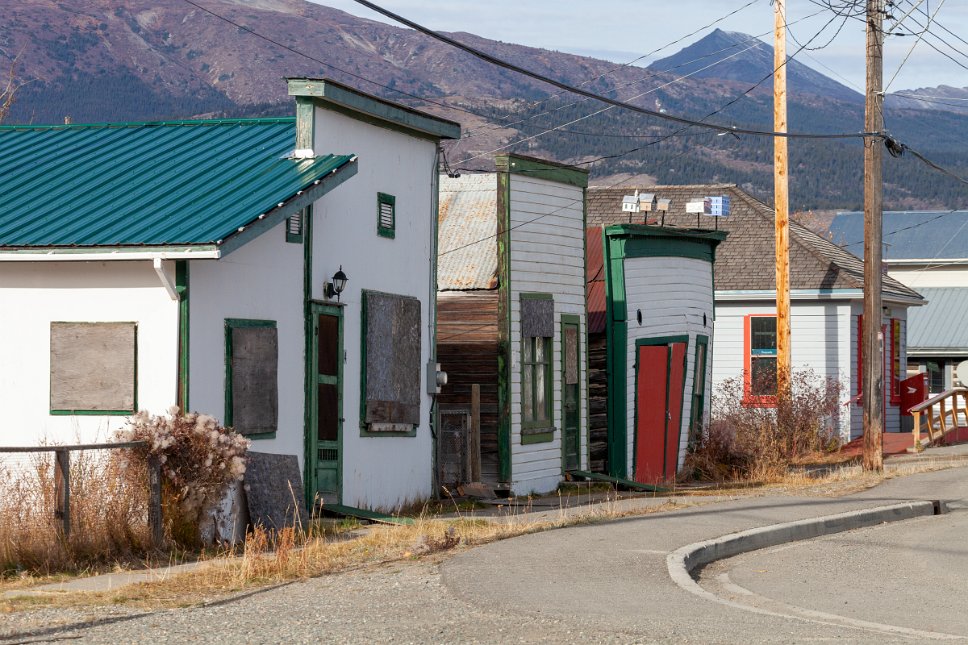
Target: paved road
[[600, 584]]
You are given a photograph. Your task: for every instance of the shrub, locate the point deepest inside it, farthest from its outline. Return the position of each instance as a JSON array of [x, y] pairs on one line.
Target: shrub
[[757, 442], [199, 460]]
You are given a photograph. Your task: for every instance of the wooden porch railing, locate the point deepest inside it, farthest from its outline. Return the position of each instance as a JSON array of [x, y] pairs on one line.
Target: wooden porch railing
[[936, 417]]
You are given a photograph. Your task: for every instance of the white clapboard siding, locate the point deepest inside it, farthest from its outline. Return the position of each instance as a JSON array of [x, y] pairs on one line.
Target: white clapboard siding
[[892, 413], [823, 339], [547, 255], [673, 294]]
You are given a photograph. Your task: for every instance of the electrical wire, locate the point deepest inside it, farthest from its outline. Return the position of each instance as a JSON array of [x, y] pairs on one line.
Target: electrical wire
[[571, 88], [914, 45]]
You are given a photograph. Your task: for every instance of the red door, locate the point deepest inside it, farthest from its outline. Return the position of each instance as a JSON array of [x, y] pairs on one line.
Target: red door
[[658, 404]]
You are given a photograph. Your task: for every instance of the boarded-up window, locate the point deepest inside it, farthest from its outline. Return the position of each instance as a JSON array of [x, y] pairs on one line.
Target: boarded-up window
[[251, 376], [537, 385], [93, 367], [391, 344]]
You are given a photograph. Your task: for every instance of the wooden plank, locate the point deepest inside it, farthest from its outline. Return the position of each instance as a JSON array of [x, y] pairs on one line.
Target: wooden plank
[[363, 514], [618, 481]]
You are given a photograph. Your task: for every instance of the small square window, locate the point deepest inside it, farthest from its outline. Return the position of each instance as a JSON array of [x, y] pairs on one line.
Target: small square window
[[294, 227], [386, 215]]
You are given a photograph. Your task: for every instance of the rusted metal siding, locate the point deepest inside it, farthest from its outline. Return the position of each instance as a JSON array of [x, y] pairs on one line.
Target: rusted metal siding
[[467, 258]]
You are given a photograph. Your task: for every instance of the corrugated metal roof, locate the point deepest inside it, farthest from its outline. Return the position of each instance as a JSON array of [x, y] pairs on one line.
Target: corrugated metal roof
[[595, 280], [939, 325], [162, 183], [467, 233], [908, 235]]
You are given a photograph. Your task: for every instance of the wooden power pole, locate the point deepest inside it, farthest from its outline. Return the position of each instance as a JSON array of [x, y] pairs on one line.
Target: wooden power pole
[[873, 338], [782, 203]]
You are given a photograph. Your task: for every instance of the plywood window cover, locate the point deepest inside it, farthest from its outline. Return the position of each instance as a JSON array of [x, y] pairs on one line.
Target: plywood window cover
[[93, 368], [252, 377], [391, 348]]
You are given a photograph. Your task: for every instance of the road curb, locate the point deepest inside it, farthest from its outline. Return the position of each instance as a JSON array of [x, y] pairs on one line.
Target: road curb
[[684, 561]]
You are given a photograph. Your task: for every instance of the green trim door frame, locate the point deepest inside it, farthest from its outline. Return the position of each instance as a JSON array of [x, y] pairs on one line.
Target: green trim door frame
[[571, 408], [656, 341], [325, 476], [698, 405], [616, 339]]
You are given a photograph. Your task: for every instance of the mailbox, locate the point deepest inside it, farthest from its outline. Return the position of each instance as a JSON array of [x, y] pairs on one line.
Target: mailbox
[[914, 390]]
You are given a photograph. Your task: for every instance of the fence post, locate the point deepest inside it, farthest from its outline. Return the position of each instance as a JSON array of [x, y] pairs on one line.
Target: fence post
[[474, 452], [62, 489], [154, 500]]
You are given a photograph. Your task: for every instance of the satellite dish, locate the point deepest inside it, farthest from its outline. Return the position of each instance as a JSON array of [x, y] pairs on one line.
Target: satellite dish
[[961, 372]]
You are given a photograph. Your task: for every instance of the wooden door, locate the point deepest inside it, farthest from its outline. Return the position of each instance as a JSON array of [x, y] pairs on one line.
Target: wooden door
[[660, 377], [570, 394], [326, 401]]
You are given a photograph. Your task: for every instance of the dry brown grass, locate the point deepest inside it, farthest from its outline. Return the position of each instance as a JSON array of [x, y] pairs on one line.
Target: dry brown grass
[[108, 508]]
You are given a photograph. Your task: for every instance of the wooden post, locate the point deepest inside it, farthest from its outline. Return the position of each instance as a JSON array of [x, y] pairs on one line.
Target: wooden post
[[62, 489], [154, 501], [475, 450], [873, 372], [781, 203]]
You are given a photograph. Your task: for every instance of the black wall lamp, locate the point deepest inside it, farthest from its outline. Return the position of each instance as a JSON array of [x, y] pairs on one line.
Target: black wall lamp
[[336, 287]]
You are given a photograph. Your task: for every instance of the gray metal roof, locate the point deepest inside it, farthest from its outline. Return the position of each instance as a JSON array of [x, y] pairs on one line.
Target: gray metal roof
[[908, 235], [467, 233], [939, 325]]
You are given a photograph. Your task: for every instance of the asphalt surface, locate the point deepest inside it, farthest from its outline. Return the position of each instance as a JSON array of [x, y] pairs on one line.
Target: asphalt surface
[[607, 583]]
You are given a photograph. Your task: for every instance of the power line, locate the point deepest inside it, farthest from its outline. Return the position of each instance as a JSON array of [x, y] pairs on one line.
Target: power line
[[914, 45], [571, 88]]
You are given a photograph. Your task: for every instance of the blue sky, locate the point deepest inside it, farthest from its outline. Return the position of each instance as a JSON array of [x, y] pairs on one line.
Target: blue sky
[[622, 30]]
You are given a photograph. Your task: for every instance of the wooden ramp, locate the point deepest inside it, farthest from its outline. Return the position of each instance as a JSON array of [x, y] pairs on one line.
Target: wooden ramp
[[618, 481], [362, 514], [899, 443]]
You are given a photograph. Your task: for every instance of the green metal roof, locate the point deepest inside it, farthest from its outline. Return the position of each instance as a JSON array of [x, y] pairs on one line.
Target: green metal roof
[[160, 183]]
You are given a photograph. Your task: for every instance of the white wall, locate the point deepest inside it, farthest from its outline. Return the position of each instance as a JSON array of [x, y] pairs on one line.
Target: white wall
[[821, 335], [673, 294], [34, 294], [262, 280], [547, 256], [378, 472], [930, 275]]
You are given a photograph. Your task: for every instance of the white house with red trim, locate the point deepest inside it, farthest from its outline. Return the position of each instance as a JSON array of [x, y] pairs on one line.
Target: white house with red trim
[[826, 293]]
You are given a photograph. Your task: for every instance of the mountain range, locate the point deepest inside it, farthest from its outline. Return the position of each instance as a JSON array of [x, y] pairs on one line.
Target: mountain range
[[99, 60]]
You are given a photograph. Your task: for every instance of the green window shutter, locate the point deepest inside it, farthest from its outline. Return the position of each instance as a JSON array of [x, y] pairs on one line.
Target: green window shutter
[[294, 227], [386, 215]]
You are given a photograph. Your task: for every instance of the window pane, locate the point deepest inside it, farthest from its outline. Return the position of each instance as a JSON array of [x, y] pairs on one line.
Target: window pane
[[328, 341], [327, 410], [540, 413], [539, 348], [700, 377], [528, 351], [763, 376], [527, 385], [763, 335]]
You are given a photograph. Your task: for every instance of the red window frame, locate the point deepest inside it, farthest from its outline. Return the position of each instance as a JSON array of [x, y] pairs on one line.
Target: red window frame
[[750, 399]]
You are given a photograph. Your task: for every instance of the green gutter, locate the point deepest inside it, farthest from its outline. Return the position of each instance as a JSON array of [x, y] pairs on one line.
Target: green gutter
[[181, 287], [309, 456]]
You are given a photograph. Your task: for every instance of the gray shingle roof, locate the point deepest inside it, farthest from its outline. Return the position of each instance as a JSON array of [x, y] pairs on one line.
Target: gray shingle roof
[[466, 235], [745, 261], [939, 326]]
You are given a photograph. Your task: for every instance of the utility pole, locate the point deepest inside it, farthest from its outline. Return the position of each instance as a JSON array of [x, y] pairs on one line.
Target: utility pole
[[873, 337], [781, 203]]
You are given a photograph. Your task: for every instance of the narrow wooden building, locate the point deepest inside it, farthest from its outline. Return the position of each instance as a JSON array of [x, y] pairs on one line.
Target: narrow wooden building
[[511, 321]]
